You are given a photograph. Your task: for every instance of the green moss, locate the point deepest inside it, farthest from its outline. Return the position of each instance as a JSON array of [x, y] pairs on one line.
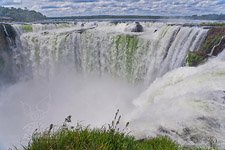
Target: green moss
[[37, 50], [126, 44], [63, 25], [27, 28], [209, 44], [132, 42], [117, 55], [194, 59]]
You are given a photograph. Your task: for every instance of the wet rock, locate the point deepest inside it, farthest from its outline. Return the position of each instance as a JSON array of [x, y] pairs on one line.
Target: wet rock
[[186, 131], [45, 33], [185, 135], [163, 130], [219, 48], [7, 44], [211, 122], [135, 27], [82, 25], [196, 138]]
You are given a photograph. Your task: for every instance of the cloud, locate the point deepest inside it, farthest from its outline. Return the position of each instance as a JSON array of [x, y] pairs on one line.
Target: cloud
[[120, 7], [10, 2]]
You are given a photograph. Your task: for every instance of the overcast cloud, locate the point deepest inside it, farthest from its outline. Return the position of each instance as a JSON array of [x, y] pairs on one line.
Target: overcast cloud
[[119, 7]]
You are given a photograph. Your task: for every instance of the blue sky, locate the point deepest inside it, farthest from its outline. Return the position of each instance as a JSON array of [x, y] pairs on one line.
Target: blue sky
[[119, 7]]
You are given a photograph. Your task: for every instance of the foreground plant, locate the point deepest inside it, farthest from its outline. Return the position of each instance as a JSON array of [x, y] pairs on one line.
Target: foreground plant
[[107, 138]]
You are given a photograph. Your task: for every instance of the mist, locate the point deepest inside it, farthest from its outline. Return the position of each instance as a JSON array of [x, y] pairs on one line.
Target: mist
[[35, 104]]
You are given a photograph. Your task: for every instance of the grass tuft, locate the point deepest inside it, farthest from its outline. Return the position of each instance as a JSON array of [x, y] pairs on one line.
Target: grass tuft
[[107, 138]]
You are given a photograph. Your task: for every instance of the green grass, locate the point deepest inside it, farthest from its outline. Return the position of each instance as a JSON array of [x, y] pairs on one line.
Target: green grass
[[194, 59], [107, 138], [27, 28], [95, 139], [99, 139]]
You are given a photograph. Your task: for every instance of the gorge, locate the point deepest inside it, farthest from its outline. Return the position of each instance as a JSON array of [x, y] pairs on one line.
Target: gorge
[[89, 70]]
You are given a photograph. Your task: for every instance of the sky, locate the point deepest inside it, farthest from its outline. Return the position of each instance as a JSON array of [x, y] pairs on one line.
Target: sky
[[119, 7]]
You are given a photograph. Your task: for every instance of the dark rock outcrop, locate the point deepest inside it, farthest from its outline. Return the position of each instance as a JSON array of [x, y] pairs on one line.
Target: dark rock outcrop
[[219, 47], [7, 43], [136, 27], [213, 38], [213, 45]]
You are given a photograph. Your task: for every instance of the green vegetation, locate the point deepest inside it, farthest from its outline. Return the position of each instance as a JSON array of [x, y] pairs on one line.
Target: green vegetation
[[63, 25], [18, 14], [132, 42], [213, 38], [120, 41], [111, 138], [127, 44], [200, 17], [208, 17], [27, 28], [84, 138], [213, 24], [194, 59], [209, 44]]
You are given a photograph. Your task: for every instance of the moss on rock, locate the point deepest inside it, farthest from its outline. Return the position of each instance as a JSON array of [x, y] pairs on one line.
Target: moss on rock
[[128, 45], [27, 28], [195, 59], [213, 39], [132, 42], [209, 44]]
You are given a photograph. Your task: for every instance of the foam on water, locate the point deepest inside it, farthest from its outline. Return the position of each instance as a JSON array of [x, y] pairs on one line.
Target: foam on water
[[186, 99]]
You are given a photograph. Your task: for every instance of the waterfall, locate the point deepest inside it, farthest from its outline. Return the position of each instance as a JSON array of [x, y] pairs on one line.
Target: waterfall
[[186, 104], [53, 61], [108, 49], [10, 55]]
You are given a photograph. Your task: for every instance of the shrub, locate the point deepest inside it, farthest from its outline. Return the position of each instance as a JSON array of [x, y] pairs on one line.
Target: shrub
[[27, 28]]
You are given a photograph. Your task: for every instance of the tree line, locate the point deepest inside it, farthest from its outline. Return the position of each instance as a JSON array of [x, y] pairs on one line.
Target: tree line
[[22, 15]]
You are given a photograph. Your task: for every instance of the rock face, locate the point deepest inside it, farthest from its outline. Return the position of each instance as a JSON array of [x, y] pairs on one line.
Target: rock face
[[219, 47], [135, 27], [213, 45], [214, 41], [7, 43]]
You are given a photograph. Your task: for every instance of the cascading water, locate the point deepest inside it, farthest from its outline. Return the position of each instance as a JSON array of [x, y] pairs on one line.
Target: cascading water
[[136, 57], [71, 67], [186, 104], [9, 55]]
